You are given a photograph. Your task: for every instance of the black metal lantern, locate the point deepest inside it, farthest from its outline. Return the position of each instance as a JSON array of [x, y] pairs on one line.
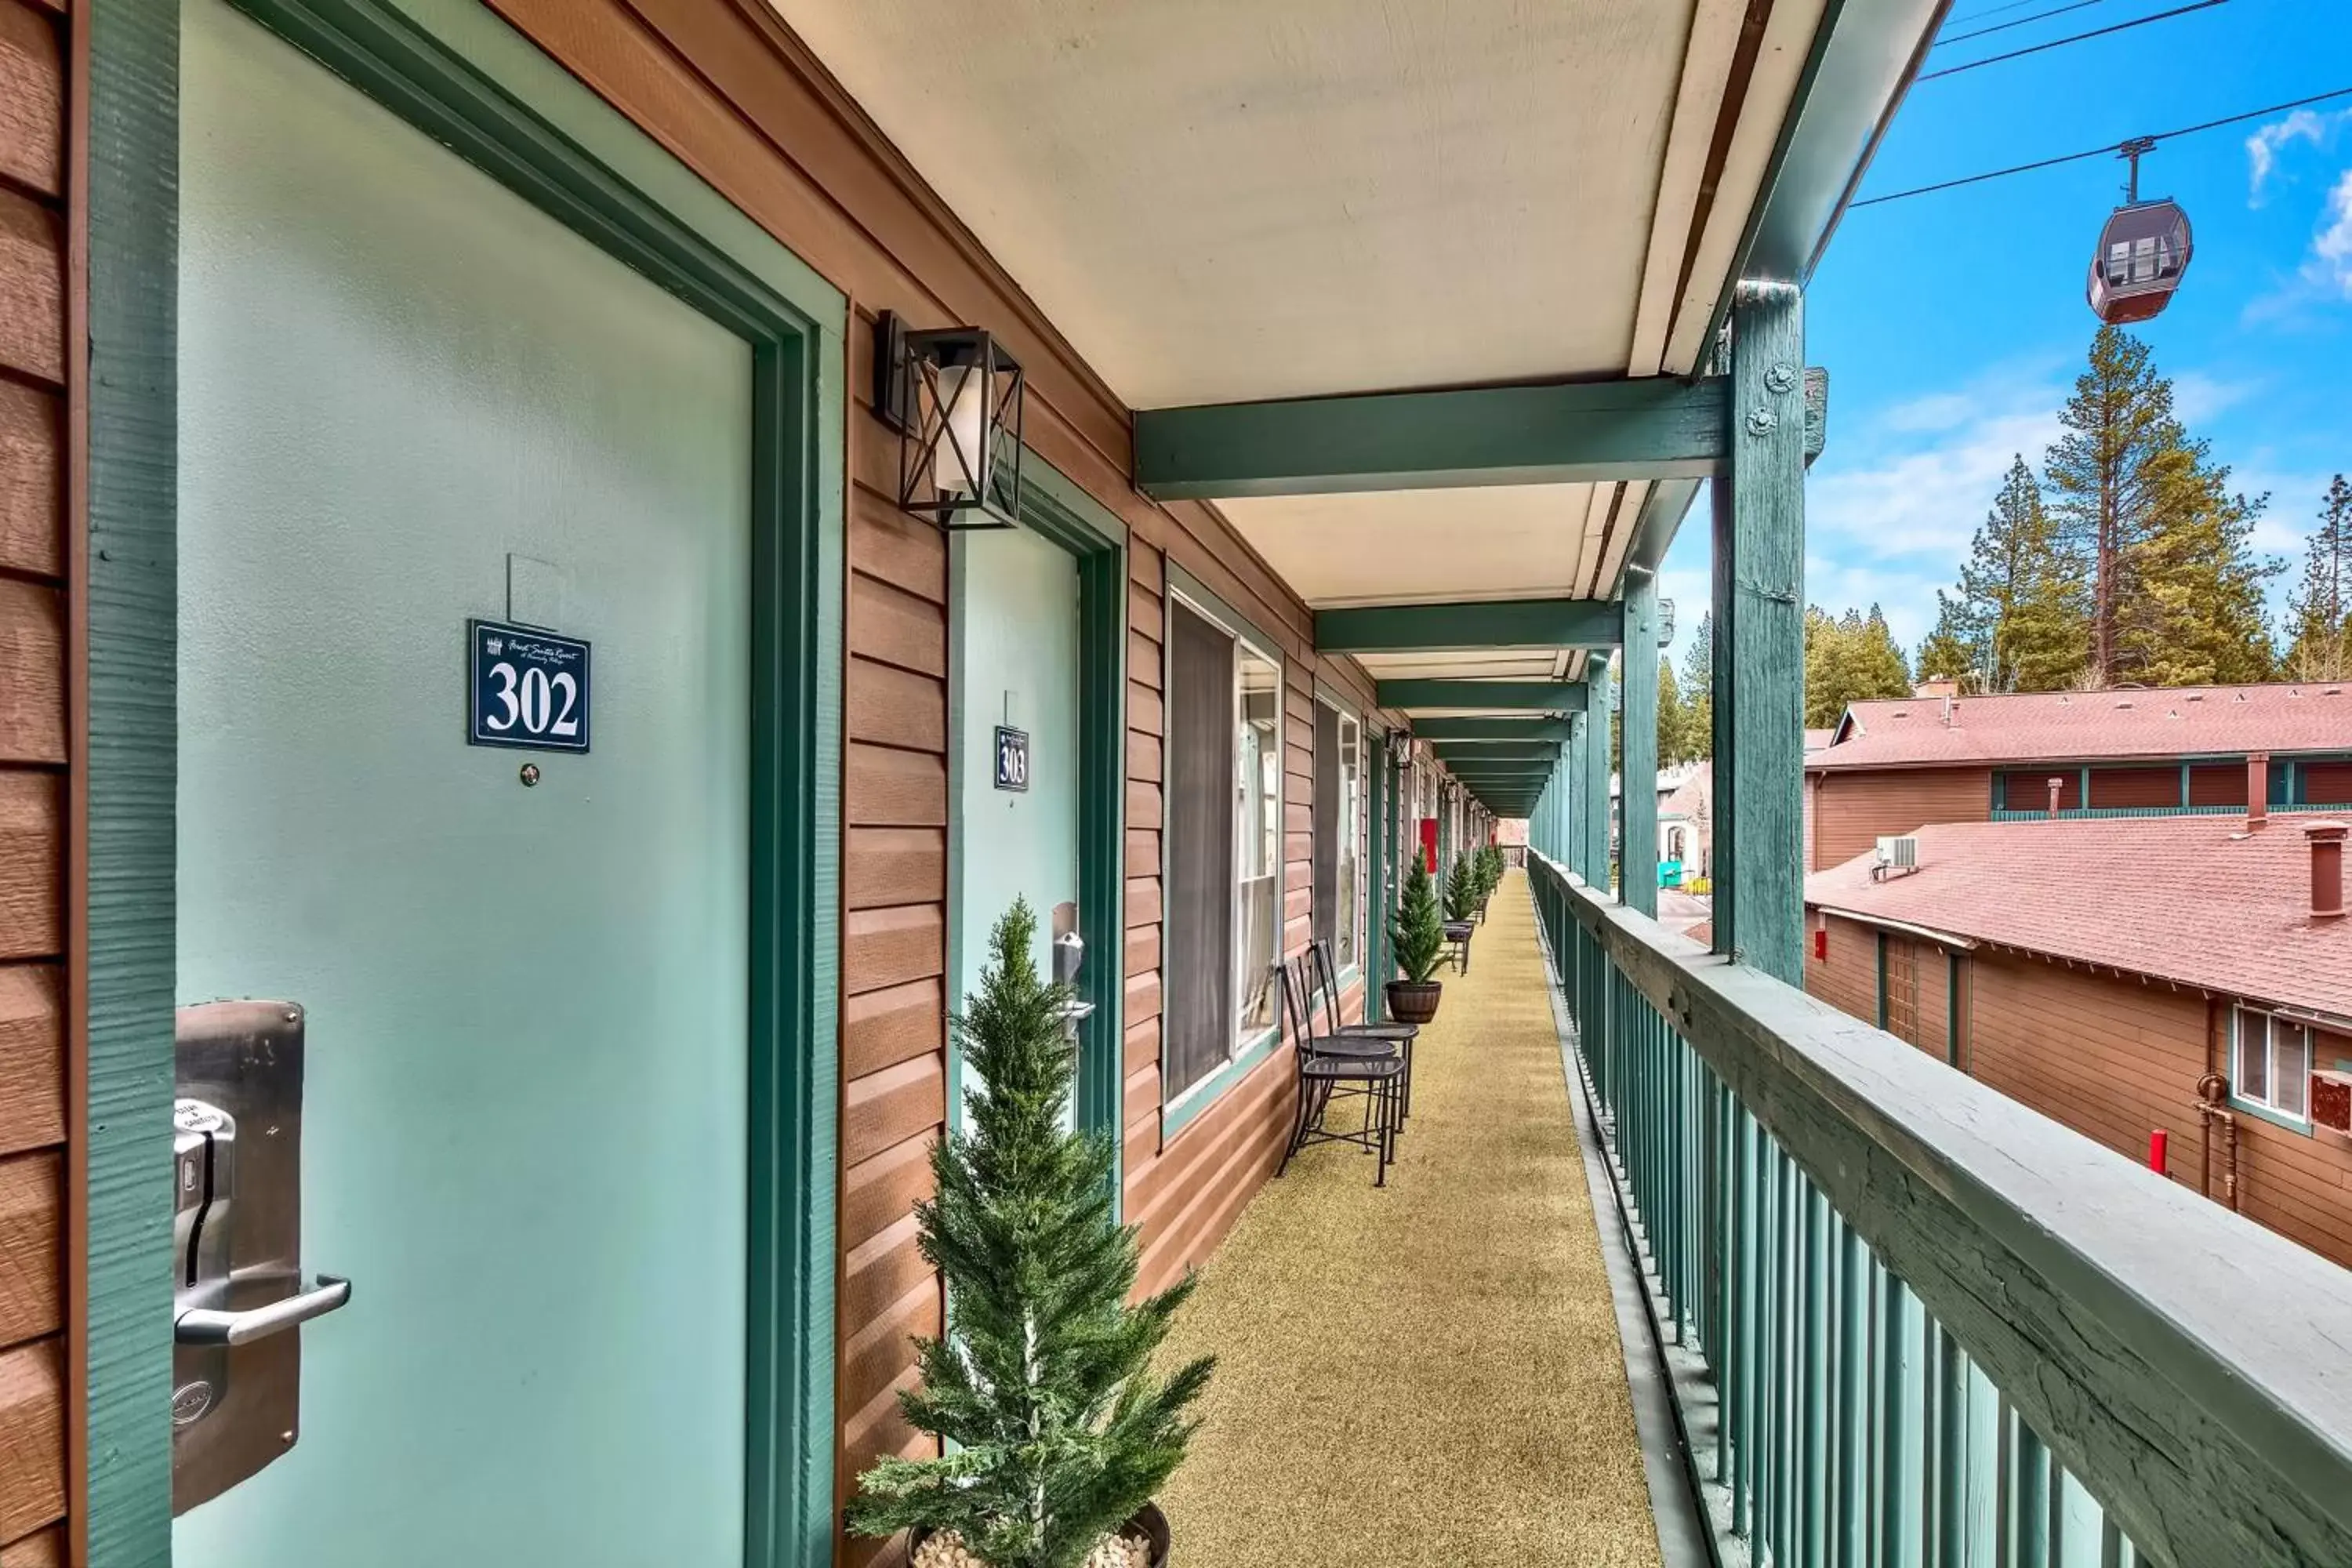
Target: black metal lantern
[[2143, 253], [954, 396]]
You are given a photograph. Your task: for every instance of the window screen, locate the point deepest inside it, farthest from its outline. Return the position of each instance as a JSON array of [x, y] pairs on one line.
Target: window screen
[[1199, 998]]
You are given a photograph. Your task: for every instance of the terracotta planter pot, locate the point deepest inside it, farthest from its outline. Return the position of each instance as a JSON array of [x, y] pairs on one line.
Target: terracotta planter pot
[[1148, 1522], [1414, 1001]]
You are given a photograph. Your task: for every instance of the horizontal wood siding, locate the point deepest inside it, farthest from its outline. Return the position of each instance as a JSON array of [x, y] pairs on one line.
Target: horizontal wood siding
[[2114, 1059], [2327, 783], [1852, 809], [35, 1404], [2217, 783], [2131, 786]]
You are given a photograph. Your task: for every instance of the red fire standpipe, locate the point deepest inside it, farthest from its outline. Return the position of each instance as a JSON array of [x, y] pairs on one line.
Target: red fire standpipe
[[2159, 1149]]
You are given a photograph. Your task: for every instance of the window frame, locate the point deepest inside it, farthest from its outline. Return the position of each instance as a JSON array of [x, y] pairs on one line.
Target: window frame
[[1244, 1048], [2266, 1104], [1347, 935]]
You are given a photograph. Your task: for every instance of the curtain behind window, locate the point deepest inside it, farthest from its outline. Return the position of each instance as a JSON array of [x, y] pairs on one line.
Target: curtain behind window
[[1199, 1001], [1329, 824]]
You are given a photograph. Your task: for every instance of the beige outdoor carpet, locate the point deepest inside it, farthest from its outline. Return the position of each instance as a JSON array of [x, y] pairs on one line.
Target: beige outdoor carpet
[[1427, 1373]]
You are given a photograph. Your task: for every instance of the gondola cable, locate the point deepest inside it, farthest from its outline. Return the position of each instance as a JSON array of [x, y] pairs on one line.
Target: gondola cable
[[2019, 22], [2072, 38], [2112, 148]]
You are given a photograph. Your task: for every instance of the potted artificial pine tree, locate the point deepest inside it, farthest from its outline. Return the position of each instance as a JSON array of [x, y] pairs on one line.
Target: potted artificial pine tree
[[1417, 939], [1461, 890], [1054, 1435]]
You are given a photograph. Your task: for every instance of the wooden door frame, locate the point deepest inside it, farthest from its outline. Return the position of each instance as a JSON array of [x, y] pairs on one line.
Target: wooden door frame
[[473, 85]]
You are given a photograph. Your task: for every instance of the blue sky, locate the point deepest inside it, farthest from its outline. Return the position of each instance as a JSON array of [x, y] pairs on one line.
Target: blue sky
[[1953, 325]]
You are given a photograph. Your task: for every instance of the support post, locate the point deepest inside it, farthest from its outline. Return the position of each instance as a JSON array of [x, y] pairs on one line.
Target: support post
[[1597, 821], [1760, 580], [1574, 798], [1637, 795]]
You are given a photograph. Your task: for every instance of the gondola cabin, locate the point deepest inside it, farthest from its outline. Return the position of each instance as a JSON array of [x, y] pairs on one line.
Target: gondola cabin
[[2142, 254]]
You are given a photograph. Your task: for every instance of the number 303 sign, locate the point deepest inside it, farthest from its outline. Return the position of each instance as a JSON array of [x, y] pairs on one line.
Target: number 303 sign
[[529, 688]]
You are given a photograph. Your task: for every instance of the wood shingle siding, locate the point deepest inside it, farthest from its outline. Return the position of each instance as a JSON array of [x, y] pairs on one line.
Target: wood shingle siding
[[35, 1156]]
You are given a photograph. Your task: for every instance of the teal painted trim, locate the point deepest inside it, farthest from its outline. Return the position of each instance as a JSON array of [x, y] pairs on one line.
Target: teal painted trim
[[1598, 818], [1059, 510], [1653, 427], [2254, 1108], [1530, 728], [131, 754], [1461, 754], [1954, 1035], [1377, 841], [461, 75], [2103, 813], [1760, 578], [1469, 626], [1637, 727], [1538, 696], [1188, 1107]]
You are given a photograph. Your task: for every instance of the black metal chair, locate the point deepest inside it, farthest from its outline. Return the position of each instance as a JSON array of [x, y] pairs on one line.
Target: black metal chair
[[1323, 975], [1457, 932], [1367, 1068]]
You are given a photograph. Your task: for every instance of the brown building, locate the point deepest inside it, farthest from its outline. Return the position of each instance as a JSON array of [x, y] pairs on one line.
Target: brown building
[[2127, 976], [1893, 764]]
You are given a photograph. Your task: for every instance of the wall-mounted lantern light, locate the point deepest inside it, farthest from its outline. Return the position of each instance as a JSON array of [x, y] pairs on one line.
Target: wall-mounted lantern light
[[1399, 744], [954, 396], [1666, 623]]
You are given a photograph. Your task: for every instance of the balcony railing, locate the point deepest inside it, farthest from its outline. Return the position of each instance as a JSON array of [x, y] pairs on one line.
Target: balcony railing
[[1911, 1322]]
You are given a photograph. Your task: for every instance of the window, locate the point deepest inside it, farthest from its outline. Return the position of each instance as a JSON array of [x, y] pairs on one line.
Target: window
[[1339, 832], [2272, 1062], [1223, 824]]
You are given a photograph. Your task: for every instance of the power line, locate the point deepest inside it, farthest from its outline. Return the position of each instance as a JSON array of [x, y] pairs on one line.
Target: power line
[[1987, 11], [2113, 147], [2075, 39], [2019, 22]]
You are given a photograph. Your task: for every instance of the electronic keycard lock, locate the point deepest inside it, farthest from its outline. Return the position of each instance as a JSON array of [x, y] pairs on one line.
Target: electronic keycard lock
[[237, 1291], [1069, 957]]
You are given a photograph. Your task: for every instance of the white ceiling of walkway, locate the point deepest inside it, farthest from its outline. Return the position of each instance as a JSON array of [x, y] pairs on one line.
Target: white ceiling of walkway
[[1230, 200]]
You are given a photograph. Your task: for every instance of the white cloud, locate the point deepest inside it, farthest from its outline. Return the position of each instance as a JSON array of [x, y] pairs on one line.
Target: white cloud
[[2263, 147], [2330, 266]]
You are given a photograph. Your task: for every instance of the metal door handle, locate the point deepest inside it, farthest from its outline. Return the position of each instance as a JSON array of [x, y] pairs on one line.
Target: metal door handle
[[204, 1327]]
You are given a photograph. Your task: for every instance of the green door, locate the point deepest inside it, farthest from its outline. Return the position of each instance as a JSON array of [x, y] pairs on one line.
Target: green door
[[409, 398], [1016, 665]]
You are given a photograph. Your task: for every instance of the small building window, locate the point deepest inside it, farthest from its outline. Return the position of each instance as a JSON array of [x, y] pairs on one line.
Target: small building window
[[2272, 1065]]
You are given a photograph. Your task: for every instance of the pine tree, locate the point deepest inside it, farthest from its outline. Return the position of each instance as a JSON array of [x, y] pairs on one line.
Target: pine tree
[[2148, 524], [1461, 889], [1055, 1431], [1674, 723], [2019, 621], [2319, 611], [1849, 659], [1417, 934], [1699, 689]]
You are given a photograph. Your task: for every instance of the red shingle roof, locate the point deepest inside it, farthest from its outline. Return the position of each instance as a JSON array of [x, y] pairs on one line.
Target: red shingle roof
[[2092, 726], [2195, 900]]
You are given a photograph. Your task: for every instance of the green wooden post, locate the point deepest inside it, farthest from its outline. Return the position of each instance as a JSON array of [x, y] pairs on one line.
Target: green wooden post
[[1574, 799], [1597, 817], [1760, 578], [1637, 798]]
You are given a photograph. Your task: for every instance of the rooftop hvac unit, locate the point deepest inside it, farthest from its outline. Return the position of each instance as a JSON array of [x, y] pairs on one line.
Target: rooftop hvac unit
[[1896, 854]]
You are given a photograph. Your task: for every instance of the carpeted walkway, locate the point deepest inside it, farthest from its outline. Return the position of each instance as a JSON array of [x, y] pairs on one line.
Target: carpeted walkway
[[1427, 1373]]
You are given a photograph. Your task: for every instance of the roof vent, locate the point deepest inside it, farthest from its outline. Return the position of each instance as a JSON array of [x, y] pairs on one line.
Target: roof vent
[[1900, 713], [2240, 696], [2333, 691], [2124, 702], [2195, 697]]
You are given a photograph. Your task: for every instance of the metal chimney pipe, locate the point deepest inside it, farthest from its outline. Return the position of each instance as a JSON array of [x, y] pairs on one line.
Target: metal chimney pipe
[[2258, 789], [2057, 787], [2326, 868]]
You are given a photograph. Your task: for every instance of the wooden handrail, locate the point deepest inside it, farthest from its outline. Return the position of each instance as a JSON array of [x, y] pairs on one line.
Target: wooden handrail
[[2193, 1369]]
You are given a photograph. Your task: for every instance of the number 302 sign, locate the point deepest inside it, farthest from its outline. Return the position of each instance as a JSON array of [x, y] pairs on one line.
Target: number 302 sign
[[529, 688]]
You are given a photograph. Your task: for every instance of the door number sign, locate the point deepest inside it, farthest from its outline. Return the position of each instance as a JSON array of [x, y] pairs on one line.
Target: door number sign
[[529, 688], [1012, 758]]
